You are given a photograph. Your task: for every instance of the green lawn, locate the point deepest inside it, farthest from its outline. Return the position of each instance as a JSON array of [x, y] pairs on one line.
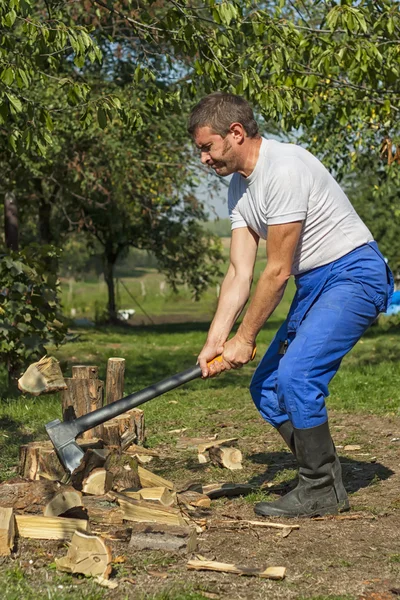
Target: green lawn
[[368, 382]]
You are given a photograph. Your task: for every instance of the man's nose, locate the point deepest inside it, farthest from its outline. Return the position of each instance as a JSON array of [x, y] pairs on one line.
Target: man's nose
[[204, 157]]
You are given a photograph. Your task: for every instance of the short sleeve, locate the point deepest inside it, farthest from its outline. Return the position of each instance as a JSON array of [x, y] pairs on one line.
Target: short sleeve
[[233, 198], [288, 192]]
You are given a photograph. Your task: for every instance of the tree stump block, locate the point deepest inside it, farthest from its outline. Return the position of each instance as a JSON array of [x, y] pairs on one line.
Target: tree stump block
[[83, 395], [115, 379]]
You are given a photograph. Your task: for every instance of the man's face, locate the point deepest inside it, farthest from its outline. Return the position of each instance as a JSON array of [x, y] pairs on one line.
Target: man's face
[[215, 151]]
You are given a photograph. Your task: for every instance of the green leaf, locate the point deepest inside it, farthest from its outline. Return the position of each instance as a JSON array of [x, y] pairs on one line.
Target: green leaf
[[9, 18], [7, 76], [15, 102]]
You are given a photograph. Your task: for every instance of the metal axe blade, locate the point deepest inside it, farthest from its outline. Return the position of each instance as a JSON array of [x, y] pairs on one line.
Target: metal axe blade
[[63, 437]]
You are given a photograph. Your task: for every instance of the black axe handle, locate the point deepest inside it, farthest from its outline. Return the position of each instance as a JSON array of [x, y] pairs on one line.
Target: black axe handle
[[101, 415]]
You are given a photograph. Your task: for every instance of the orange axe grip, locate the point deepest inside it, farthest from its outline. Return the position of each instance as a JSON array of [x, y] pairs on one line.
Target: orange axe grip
[[219, 357]]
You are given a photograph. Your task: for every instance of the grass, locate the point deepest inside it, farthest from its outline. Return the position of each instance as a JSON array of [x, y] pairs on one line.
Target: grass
[[367, 383]]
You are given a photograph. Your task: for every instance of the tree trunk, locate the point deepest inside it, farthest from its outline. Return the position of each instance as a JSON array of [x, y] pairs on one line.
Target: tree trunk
[[11, 221], [109, 263]]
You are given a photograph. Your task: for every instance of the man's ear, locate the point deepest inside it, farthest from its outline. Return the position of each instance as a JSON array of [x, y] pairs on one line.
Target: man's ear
[[238, 132]]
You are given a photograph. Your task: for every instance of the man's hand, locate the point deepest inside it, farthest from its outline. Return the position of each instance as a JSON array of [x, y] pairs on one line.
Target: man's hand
[[209, 352], [237, 352]]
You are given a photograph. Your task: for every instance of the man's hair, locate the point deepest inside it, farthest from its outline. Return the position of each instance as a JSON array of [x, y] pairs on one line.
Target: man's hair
[[218, 111]]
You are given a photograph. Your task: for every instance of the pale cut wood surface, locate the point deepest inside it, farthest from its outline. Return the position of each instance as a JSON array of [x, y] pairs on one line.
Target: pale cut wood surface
[[87, 554], [229, 458], [42, 377], [48, 528], [7, 531], [146, 511], [64, 500], [98, 483], [149, 479], [212, 565]]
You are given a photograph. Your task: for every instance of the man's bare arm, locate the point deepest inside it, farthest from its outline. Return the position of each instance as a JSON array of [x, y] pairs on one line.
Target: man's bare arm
[[282, 242], [235, 291]]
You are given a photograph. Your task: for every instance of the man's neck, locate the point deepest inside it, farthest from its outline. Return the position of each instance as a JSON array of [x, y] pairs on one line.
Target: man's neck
[[250, 154]]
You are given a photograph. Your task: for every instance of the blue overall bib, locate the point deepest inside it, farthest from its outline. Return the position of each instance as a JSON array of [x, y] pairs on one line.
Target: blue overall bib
[[332, 308]]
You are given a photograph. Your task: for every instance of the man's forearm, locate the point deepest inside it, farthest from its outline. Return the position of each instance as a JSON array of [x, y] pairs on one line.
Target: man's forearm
[[235, 291], [268, 294]]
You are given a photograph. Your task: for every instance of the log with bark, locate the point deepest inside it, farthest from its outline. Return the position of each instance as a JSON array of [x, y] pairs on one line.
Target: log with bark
[[169, 538], [43, 377], [30, 496], [194, 499], [98, 483], [84, 394], [124, 470], [115, 379], [7, 531], [92, 459], [38, 460], [229, 458], [125, 430], [87, 554], [102, 510]]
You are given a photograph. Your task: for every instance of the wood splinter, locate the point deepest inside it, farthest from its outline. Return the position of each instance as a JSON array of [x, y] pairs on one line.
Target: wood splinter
[[7, 531], [212, 565], [87, 554], [43, 377]]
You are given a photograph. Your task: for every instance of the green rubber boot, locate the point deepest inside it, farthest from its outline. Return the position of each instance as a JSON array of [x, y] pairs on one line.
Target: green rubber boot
[[315, 493]]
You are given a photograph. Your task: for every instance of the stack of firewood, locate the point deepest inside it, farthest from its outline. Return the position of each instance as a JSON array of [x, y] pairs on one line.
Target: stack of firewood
[[111, 495]]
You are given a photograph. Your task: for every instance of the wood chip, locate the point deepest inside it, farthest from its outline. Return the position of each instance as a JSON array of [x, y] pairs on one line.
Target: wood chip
[[239, 522], [277, 573], [87, 554], [351, 447]]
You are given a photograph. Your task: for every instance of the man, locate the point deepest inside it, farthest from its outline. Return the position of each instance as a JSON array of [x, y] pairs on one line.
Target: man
[[282, 194]]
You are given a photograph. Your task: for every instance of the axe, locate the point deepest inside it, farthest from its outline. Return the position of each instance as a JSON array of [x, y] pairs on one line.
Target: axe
[[63, 434]]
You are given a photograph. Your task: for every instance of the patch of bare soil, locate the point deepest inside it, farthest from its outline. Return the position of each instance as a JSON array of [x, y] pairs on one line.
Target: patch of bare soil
[[355, 555]]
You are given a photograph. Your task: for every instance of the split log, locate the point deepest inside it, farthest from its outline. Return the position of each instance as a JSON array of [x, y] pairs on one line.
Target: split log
[[230, 458], [115, 379], [138, 416], [212, 565], [82, 396], [124, 470], [103, 510], [201, 448], [92, 459], [98, 483], [87, 554], [159, 495], [149, 479], [143, 511], [7, 531], [43, 377], [48, 528], [125, 430], [169, 538], [28, 496], [38, 460], [194, 499], [188, 443], [65, 500], [228, 490]]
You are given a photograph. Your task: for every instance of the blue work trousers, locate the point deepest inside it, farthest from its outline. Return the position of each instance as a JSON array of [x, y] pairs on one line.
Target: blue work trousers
[[332, 308]]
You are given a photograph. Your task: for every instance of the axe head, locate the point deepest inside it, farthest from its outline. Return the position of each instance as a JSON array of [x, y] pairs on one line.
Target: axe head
[[63, 435]]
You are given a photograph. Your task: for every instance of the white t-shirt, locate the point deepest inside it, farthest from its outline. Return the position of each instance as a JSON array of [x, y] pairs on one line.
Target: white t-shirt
[[289, 184]]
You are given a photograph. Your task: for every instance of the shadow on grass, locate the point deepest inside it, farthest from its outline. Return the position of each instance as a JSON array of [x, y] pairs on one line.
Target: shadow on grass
[[356, 474], [12, 437]]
